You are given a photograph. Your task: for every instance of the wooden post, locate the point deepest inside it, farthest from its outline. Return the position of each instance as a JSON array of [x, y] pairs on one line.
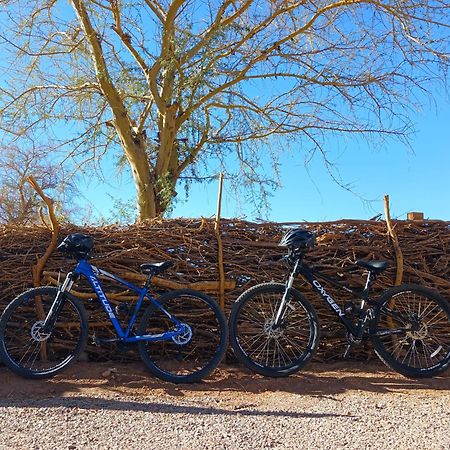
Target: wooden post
[[398, 257], [415, 215], [397, 249], [220, 246]]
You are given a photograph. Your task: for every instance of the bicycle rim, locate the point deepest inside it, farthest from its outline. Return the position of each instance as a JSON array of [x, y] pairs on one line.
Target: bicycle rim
[[268, 350], [412, 332], [26, 349], [196, 352]]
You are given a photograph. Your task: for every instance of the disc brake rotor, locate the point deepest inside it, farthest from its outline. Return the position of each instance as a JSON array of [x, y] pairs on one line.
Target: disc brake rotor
[[270, 331], [419, 334], [36, 333]]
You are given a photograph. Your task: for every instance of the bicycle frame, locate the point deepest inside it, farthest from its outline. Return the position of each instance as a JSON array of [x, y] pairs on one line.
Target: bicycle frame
[[90, 272], [310, 274]]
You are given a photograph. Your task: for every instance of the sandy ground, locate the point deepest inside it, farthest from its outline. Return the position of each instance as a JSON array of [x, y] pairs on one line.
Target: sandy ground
[[342, 405]]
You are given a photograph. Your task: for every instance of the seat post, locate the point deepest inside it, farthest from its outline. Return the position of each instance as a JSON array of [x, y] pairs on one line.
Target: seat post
[[149, 279], [371, 276]]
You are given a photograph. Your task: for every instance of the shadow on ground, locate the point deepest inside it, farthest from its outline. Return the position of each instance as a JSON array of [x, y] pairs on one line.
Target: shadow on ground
[[102, 404], [88, 380]]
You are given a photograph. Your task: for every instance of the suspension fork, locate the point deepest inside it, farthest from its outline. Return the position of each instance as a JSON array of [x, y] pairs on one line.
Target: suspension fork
[[58, 304], [282, 308]]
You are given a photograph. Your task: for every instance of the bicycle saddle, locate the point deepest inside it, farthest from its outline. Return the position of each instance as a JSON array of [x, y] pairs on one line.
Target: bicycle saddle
[[374, 266], [155, 268]]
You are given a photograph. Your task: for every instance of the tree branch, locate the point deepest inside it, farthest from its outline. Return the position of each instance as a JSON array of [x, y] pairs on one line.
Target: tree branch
[[193, 154]]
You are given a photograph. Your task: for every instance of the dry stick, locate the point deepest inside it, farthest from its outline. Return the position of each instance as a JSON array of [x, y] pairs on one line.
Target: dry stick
[[220, 246], [39, 266], [398, 250], [196, 257], [204, 286], [398, 255]]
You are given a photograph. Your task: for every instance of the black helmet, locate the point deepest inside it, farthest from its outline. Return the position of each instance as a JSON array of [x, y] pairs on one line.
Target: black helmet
[[298, 238], [77, 244]]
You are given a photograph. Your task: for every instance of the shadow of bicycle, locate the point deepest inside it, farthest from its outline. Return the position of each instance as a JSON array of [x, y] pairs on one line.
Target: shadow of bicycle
[[317, 379]]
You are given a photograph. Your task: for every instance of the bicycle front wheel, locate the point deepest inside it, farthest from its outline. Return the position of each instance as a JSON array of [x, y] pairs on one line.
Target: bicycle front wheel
[[268, 350], [196, 352], [411, 331], [29, 352]]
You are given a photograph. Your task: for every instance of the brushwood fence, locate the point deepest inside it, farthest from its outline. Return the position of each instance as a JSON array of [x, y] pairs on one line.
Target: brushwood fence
[[250, 256]]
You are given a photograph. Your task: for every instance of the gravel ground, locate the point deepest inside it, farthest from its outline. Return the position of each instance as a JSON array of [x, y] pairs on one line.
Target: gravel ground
[[345, 405]]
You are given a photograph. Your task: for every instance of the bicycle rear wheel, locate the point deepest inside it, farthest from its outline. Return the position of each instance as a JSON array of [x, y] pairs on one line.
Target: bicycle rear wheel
[[192, 355], [29, 352], [411, 331], [262, 348]]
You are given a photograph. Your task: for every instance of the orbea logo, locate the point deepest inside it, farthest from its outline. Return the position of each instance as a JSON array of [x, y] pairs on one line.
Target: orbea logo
[[328, 298], [102, 297]]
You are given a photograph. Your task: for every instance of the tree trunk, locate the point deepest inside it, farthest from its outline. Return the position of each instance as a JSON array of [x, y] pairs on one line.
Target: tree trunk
[[146, 198], [132, 143], [145, 191], [167, 160]]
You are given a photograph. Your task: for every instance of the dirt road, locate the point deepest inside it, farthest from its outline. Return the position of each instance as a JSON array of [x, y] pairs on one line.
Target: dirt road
[[345, 405]]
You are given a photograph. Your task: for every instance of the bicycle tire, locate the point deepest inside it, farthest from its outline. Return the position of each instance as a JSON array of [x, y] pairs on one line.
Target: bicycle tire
[[248, 315], [197, 357], [411, 331], [49, 353]]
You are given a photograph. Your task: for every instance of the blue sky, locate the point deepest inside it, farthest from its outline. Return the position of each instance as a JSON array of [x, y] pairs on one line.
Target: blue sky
[[416, 179]]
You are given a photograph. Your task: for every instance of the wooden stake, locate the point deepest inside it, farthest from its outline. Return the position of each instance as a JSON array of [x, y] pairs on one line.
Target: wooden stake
[[220, 246], [397, 249], [398, 257], [219, 202]]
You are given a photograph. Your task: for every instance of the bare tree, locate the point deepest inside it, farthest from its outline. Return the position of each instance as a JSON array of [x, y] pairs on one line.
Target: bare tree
[[175, 87], [19, 202]]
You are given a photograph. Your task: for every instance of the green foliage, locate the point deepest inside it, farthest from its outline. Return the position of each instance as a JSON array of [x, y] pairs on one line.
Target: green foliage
[[121, 212], [165, 186]]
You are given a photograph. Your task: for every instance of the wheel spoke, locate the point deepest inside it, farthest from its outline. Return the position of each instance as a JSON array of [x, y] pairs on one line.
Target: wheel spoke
[[425, 345], [193, 356], [26, 349], [275, 348]]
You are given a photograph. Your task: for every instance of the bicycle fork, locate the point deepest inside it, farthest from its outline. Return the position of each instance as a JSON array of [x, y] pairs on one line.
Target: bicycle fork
[[58, 304], [284, 305]]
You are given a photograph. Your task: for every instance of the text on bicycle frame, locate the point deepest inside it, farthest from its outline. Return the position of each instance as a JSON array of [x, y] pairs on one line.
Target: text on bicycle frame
[[328, 298], [102, 297]]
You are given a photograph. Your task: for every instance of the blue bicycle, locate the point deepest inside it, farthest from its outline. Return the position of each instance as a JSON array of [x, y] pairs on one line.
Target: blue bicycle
[[181, 337]]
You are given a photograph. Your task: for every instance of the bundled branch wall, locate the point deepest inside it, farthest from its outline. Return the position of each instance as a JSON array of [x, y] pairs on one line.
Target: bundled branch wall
[[250, 255]]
